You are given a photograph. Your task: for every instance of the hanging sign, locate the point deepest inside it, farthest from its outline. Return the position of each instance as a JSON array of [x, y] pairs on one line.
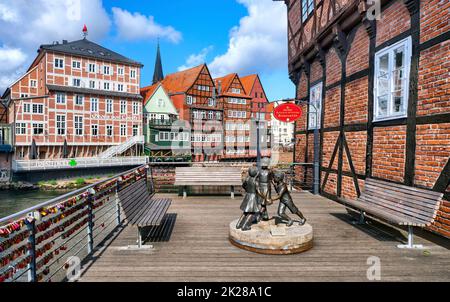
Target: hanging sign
[[287, 112]]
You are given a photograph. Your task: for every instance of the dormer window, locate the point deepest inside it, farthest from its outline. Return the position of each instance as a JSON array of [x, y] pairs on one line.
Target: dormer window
[[307, 9]]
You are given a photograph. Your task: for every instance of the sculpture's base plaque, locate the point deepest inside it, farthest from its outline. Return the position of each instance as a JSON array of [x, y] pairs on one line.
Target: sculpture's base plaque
[[297, 238]]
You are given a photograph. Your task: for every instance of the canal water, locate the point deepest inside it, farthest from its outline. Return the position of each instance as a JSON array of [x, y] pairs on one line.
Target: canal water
[[15, 201]]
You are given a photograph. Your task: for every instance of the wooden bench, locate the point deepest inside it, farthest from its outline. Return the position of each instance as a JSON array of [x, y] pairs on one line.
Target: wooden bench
[[208, 176], [140, 208], [397, 204]]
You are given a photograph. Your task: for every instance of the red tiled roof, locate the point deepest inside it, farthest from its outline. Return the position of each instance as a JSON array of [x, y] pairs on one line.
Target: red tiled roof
[[181, 81], [226, 82], [248, 82], [148, 91]]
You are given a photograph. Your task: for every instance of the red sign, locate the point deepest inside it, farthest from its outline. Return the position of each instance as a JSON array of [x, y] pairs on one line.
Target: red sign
[[287, 112]]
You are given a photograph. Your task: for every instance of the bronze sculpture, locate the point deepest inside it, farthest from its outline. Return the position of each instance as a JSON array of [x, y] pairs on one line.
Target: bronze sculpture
[[258, 196], [285, 201], [250, 205]]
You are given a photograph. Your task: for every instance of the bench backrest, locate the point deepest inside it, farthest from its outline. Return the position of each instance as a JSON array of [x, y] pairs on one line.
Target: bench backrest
[[208, 176], [420, 204]]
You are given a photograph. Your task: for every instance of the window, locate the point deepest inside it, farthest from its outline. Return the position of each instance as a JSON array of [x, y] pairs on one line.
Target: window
[[38, 108], [33, 83], [135, 130], [21, 128], [392, 67], [189, 100], [133, 74], [109, 106], [26, 107], [94, 130], [94, 105], [135, 108], [120, 87], [211, 102], [120, 71], [236, 90], [61, 124], [59, 63], [203, 88], [91, 68], [38, 128], [210, 115], [78, 124], [79, 99], [107, 70], [123, 130], [106, 86], [123, 107], [109, 130], [23, 95], [218, 115], [76, 82], [92, 84], [315, 103], [307, 9], [76, 64], [60, 98]]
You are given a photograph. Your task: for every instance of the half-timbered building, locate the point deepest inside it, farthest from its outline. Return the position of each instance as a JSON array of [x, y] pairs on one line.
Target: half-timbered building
[[379, 79]]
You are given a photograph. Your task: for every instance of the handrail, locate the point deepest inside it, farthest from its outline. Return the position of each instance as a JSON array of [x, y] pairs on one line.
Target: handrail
[[58, 199], [34, 241]]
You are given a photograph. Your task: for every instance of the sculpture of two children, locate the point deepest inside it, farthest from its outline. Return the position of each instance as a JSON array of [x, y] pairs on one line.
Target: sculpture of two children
[[258, 196]]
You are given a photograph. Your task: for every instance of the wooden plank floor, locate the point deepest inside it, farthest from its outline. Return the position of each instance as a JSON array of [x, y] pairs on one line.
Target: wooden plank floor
[[198, 249]]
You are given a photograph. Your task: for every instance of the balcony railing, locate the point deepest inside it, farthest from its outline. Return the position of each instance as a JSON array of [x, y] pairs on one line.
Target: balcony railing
[[160, 122], [76, 163]]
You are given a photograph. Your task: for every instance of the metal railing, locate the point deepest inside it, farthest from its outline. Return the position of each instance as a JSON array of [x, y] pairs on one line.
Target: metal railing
[[48, 241], [76, 163], [115, 150]]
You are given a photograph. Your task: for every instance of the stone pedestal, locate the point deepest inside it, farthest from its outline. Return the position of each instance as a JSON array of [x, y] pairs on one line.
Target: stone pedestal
[[268, 238]]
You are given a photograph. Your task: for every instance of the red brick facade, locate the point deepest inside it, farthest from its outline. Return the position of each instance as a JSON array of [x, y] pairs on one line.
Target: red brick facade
[[379, 149], [43, 105]]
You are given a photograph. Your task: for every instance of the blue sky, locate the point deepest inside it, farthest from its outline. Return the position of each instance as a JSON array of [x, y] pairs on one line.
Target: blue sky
[[228, 35]]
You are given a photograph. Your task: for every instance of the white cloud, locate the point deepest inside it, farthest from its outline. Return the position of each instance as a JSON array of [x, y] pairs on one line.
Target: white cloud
[[25, 25], [258, 44], [196, 59], [135, 26]]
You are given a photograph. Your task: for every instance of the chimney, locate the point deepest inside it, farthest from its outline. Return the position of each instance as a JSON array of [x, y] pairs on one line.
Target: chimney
[[219, 87]]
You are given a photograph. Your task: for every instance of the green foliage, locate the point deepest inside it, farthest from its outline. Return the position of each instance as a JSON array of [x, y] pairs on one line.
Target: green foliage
[[80, 181]]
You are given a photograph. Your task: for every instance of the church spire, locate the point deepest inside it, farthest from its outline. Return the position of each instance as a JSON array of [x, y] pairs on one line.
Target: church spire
[[158, 73]]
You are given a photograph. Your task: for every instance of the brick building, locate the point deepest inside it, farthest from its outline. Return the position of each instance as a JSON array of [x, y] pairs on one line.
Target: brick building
[[382, 88], [77, 99]]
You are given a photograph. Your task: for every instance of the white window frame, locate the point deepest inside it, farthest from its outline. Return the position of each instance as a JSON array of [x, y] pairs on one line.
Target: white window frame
[[135, 128], [40, 126], [21, 128], [76, 82], [39, 108], [123, 130], [93, 105], [33, 83], [108, 129], [76, 96], [311, 108], [61, 125], [136, 108], [92, 65], [60, 100], [307, 9], [109, 106], [26, 108], [78, 120], [133, 74], [76, 64], [96, 129], [57, 65], [120, 71], [189, 99], [107, 69], [406, 43], [123, 104]]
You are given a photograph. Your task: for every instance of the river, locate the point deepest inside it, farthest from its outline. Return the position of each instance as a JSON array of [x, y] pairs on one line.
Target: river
[[15, 201]]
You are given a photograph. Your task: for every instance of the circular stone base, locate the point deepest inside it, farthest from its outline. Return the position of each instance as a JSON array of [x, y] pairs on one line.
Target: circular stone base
[[259, 239]]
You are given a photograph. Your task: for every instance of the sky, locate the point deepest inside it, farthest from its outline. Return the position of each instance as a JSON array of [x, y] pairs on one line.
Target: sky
[[243, 36]]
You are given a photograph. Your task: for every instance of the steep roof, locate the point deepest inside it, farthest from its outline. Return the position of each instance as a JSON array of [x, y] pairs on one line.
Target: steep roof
[[226, 81], [248, 82], [181, 81], [158, 74], [89, 49], [147, 92]]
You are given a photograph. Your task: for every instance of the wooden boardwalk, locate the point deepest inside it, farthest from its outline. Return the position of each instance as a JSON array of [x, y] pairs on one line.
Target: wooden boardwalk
[[198, 249]]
